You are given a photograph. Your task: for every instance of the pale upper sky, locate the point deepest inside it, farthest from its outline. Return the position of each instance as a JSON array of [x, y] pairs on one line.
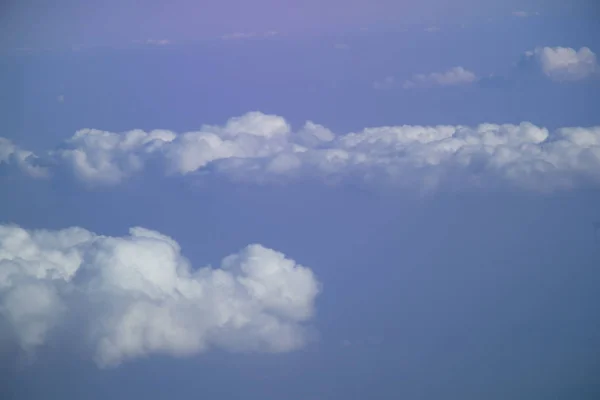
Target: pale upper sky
[[62, 23]]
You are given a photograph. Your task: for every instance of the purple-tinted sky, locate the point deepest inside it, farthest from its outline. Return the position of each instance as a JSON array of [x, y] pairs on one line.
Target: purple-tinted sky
[[479, 286], [34, 23]]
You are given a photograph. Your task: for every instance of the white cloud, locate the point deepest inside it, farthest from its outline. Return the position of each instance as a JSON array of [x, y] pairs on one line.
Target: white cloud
[[137, 295], [61, 98], [565, 63], [10, 154], [258, 147], [453, 77], [98, 156]]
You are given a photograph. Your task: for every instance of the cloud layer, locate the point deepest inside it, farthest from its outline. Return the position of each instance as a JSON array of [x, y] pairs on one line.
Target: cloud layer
[[137, 295], [263, 148]]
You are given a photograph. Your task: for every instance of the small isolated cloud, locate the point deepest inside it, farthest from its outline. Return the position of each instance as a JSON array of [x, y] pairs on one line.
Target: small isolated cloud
[[158, 42], [263, 148], [563, 64], [136, 295], [154, 42], [61, 98], [525, 14], [432, 29], [385, 84], [453, 77], [248, 35]]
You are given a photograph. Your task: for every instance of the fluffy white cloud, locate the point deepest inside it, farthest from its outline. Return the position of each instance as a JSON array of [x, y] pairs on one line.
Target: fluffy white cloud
[[137, 295], [565, 63], [258, 147], [105, 157], [453, 77]]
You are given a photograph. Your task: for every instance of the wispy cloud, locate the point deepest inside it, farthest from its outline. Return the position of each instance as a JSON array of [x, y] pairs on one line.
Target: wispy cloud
[[386, 83], [248, 35], [158, 42], [453, 77], [154, 42], [525, 14]]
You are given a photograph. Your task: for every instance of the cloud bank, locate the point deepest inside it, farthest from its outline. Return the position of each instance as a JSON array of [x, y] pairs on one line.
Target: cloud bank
[[262, 148], [563, 64], [137, 295]]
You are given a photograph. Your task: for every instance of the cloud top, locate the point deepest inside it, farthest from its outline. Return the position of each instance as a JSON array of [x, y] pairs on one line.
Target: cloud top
[[262, 148], [137, 295]]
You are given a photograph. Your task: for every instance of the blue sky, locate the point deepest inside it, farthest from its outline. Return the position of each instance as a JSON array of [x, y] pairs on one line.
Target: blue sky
[[405, 191]]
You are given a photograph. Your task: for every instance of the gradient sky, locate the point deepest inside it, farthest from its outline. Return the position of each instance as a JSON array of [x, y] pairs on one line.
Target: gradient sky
[[64, 23], [460, 268]]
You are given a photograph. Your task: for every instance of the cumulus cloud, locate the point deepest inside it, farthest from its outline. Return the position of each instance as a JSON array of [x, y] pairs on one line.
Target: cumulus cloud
[[263, 148], [564, 63], [453, 77], [137, 295]]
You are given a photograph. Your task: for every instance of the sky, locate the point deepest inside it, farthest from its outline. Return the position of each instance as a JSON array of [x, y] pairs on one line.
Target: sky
[[299, 200]]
